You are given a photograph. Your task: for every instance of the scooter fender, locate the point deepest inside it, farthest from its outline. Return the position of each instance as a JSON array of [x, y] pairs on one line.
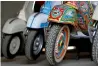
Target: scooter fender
[[95, 14], [63, 14], [37, 20], [14, 25]]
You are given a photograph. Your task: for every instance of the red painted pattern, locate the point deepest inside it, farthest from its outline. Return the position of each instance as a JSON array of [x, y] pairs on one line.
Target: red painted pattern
[[57, 18]]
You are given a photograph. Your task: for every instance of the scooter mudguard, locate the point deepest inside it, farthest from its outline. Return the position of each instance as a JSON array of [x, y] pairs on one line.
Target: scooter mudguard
[[36, 21], [63, 14], [39, 20], [14, 25]]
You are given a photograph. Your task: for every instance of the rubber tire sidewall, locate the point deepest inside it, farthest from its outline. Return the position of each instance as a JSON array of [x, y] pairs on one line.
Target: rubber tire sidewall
[[95, 48], [6, 44], [29, 45]]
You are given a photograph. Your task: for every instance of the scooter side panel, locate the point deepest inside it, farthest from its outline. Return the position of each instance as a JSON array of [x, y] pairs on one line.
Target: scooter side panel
[[14, 26]]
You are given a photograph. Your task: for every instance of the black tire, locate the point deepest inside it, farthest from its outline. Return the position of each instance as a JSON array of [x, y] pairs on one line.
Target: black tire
[[50, 44], [6, 45], [29, 52], [95, 48]]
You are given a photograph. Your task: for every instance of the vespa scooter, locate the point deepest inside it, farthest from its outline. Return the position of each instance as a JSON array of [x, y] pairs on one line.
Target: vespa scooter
[[70, 20], [13, 32]]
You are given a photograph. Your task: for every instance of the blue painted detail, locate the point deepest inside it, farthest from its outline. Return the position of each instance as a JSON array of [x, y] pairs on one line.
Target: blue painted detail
[[44, 24], [29, 21], [46, 8], [32, 22], [69, 14]]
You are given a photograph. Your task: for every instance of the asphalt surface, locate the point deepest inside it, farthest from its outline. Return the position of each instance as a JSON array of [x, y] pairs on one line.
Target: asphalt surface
[[41, 61]]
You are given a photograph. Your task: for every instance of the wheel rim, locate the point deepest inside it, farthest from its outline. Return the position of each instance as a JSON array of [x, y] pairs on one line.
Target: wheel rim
[[61, 44], [38, 44], [14, 45]]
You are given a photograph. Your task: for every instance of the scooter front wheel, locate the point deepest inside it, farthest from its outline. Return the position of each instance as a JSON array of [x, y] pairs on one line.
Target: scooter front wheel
[[57, 43], [34, 44], [11, 45]]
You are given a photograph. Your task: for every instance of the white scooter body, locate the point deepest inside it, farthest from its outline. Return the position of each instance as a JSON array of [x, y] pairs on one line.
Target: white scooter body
[[14, 25], [37, 22], [18, 24], [95, 14]]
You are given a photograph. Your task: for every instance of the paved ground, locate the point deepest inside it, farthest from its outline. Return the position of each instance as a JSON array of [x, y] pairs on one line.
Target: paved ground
[[41, 61]]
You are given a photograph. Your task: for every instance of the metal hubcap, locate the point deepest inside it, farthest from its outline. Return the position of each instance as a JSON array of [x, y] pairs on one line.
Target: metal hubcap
[[14, 45], [38, 43], [95, 30]]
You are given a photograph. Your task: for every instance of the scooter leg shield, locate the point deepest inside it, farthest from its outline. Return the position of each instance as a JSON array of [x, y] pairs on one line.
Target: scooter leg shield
[[37, 20], [13, 26]]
